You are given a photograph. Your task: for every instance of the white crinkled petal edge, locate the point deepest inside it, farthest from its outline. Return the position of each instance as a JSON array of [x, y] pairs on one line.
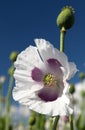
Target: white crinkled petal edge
[[57, 107], [71, 70], [47, 51], [28, 59], [61, 106]]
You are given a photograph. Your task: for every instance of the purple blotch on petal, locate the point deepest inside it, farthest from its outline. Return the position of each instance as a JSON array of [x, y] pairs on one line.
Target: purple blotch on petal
[[54, 62], [37, 74], [55, 65], [48, 94]]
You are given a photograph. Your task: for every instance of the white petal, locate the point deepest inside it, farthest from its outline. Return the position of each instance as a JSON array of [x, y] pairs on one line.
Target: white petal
[[19, 94], [28, 58], [22, 78], [66, 89], [71, 70], [62, 106], [42, 107], [25, 63], [59, 107], [23, 91], [45, 48], [26, 91], [23, 73], [47, 51], [24, 85], [63, 59]]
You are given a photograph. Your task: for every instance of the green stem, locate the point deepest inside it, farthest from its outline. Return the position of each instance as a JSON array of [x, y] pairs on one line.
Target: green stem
[[51, 122], [38, 118], [62, 38], [71, 122], [8, 103], [56, 122], [42, 122], [30, 127], [0, 101], [65, 126]]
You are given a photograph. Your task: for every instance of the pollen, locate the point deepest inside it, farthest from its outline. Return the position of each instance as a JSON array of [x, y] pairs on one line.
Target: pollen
[[50, 80]]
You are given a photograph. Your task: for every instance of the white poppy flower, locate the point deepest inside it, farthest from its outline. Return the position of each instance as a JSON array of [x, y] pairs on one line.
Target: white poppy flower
[[41, 76]]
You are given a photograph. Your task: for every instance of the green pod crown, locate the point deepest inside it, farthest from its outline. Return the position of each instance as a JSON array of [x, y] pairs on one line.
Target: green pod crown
[[66, 18]]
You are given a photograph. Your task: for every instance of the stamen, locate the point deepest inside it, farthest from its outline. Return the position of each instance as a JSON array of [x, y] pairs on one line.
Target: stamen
[[50, 80]]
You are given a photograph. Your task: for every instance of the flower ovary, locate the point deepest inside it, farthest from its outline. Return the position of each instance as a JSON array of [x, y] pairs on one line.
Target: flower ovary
[[50, 80]]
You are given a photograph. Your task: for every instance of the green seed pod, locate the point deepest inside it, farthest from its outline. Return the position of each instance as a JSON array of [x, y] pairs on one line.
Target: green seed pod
[[82, 93], [13, 56], [82, 75], [11, 70], [72, 88], [31, 120], [66, 18]]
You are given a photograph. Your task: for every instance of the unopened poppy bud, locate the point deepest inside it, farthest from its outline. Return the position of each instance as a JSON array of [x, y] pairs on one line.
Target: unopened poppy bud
[[82, 93], [13, 56], [31, 120], [11, 70], [72, 88], [82, 75], [66, 18]]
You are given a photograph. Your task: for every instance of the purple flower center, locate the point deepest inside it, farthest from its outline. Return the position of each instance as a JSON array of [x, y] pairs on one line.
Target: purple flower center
[[51, 89]]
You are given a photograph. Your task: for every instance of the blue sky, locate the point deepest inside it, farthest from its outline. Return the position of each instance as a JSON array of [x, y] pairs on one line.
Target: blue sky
[[21, 21]]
